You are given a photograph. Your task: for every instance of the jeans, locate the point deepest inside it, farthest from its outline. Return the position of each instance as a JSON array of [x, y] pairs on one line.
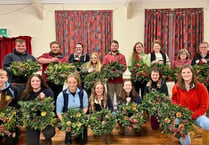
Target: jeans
[[201, 121]]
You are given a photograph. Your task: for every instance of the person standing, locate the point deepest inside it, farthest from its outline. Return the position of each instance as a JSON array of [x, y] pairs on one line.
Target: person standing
[[20, 53], [79, 56], [202, 57], [183, 58], [114, 85], [137, 56], [54, 56]]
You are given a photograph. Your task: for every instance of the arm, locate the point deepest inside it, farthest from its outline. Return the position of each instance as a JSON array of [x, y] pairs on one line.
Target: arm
[[44, 59], [123, 61], [129, 62], [7, 61], [204, 98], [71, 58], [85, 102], [167, 60], [174, 98], [146, 59], [59, 105]]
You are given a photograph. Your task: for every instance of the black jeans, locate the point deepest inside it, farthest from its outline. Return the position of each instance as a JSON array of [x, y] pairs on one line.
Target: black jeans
[[33, 136]]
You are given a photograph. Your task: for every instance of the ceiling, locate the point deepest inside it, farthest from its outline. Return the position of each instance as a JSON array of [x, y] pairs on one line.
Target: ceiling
[[88, 1]]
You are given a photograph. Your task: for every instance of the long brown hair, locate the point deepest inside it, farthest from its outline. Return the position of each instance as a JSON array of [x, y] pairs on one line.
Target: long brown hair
[[28, 90], [134, 57], [94, 96], [181, 83], [123, 92]]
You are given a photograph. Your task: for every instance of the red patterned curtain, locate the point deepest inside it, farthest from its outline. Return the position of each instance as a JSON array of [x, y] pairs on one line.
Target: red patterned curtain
[[8, 44], [157, 27], [188, 27], [92, 28]]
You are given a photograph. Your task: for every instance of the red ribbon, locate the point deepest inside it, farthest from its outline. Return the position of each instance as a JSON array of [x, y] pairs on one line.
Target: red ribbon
[[176, 130]]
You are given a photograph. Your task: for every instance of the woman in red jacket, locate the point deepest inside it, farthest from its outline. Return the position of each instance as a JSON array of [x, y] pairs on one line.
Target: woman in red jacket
[[193, 95]]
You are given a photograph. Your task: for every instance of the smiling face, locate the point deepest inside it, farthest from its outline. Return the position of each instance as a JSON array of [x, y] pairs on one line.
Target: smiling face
[[155, 76], [99, 90], [139, 48], [72, 84], [20, 47], [127, 86], [183, 56], [35, 83], [94, 59], [203, 49], [156, 48], [186, 74], [3, 80], [114, 47], [79, 48], [55, 49]]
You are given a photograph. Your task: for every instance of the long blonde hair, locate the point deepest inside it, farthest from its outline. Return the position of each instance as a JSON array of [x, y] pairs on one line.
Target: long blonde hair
[[98, 64], [94, 96]]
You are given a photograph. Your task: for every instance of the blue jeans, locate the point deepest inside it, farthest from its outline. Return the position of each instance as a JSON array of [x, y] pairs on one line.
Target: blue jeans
[[201, 121]]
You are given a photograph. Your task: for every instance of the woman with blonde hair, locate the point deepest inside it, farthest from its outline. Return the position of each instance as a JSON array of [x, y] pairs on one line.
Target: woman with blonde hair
[[99, 99]]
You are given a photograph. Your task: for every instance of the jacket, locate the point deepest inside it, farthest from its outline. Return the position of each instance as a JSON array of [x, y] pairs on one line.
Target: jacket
[[15, 56], [196, 99]]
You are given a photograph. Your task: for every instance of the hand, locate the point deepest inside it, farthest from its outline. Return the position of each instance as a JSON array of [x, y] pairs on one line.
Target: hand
[[91, 70], [155, 61], [204, 60], [41, 95], [2, 128], [54, 59]]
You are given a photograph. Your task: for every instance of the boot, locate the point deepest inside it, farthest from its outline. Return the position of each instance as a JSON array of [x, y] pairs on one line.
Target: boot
[[205, 137], [108, 139], [154, 123], [121, 129], [68, 138]]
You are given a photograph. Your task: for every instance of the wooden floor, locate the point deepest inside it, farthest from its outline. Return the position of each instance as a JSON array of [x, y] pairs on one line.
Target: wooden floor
[[147, 137]]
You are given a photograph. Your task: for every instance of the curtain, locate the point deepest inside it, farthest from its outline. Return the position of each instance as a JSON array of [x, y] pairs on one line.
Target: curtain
[[92, 28], [188, 30], [157, 27], [8, 44]]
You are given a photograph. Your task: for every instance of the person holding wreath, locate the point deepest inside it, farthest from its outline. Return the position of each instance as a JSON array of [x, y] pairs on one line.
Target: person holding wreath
[[189, 93], [183, 58], [127, 95], [36, 86], [99, 99], [137, 56], [72, 98], [114, 85], [156, 83], [9, 97], [157, 56]]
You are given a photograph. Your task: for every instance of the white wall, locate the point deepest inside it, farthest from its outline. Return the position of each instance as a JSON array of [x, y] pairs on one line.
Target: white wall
[[24, 20]]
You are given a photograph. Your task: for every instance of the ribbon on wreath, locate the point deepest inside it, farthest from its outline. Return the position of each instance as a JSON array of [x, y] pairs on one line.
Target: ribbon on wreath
[[176, 130]]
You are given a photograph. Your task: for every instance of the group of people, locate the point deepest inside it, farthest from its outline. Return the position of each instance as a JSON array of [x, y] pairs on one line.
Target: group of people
[[186, 92]]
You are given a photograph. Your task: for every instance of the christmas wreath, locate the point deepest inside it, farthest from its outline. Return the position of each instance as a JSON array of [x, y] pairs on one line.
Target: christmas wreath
[[113, 70], [58, 72], [92, 78], [202, 73], [139, 72], [8, 120], [131, 115], [175, 120], [24, 68], [165, 69], [38, 114], [102, 122], [153, 102], [73, 121]]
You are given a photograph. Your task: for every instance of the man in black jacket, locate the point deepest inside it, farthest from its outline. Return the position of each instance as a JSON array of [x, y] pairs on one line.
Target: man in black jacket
[[19, 54]]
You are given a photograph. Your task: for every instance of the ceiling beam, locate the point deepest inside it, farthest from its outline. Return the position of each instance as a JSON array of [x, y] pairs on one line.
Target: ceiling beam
[[39, 8]]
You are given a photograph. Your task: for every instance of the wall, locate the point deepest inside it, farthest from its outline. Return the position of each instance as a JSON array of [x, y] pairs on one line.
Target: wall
[[23, 20]]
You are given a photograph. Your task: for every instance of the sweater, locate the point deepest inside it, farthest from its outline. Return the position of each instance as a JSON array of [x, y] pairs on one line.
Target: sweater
[[196, 99], [109, 58]]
